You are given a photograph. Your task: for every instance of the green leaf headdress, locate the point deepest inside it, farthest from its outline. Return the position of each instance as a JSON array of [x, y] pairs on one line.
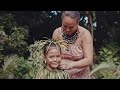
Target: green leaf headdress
[[37, 49], [36, 58]]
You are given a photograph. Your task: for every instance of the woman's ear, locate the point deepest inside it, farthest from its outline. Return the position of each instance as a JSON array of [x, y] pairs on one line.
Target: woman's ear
[[78, 22]]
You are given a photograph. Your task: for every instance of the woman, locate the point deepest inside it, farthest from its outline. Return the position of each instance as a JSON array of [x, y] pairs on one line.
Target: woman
[[78, 57]]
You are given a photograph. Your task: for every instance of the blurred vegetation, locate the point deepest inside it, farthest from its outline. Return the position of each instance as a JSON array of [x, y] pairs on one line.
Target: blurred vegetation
[[107, 65], [19, 29]]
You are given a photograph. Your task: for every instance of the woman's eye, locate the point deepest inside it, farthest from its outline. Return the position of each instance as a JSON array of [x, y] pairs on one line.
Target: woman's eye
[[65, 26], [58, 56]]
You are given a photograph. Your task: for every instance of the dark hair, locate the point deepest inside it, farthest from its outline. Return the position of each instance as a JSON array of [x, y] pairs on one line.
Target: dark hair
[[72, 14], [49, 45]]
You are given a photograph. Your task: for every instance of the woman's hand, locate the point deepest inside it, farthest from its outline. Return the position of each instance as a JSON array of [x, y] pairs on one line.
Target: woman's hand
[[66, 64], [66, 56]]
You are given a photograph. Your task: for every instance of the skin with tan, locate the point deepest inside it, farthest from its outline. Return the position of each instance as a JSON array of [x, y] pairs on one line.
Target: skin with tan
[[69, 26], [53, 58]]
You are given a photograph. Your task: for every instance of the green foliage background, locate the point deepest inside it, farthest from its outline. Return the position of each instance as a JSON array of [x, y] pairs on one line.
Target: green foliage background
[[20, 29]]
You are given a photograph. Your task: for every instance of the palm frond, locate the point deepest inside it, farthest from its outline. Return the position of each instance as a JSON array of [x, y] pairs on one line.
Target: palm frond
[[9, 60], [103, 66]]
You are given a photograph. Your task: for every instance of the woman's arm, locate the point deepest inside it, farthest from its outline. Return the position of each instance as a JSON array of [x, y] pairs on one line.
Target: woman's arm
[[87, 51]]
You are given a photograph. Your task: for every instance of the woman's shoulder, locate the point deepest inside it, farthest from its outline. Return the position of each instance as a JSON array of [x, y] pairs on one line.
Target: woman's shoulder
[[86, 36], [57, 32], [83, 31], [57, 29]]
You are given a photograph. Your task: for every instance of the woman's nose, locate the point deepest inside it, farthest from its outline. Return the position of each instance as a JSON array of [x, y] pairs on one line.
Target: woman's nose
[[68, 30]]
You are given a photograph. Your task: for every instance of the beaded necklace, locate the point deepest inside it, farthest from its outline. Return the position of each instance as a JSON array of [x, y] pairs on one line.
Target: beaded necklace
[[70, 39]]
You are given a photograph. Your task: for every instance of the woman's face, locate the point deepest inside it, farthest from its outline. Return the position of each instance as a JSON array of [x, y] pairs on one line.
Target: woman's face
[[53, 58], [69, 25]]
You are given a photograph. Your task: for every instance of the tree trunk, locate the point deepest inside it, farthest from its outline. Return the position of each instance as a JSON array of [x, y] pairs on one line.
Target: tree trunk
[[90, 21]]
